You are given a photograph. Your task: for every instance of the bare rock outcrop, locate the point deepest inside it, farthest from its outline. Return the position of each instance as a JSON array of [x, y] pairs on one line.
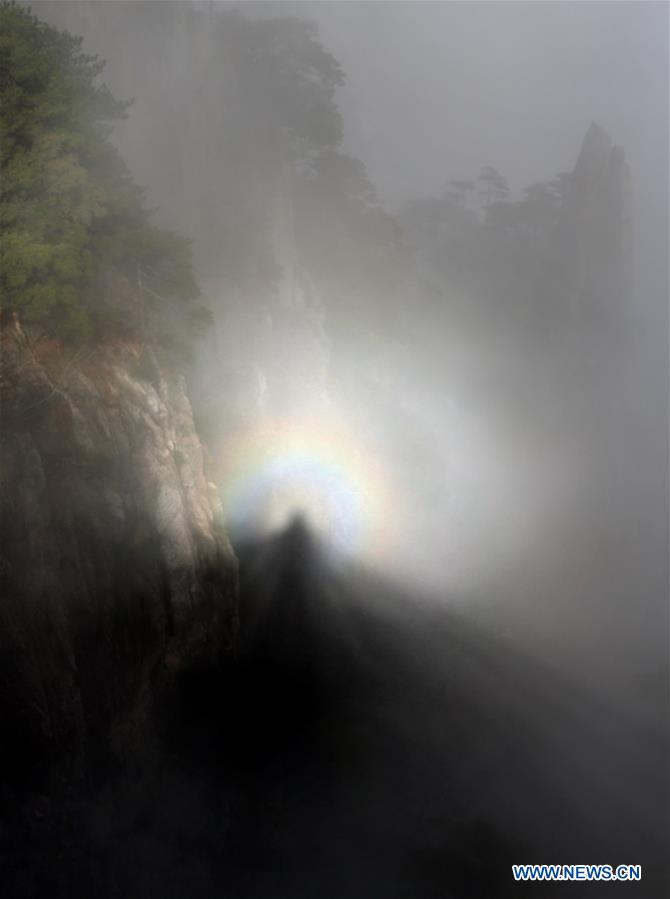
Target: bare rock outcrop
[[116, 572]]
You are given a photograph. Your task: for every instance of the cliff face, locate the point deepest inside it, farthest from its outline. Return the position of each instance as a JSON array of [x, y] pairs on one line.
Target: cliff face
[[116, 573], [596, 231]]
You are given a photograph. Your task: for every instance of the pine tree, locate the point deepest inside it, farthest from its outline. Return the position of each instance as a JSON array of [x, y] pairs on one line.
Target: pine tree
[[68, 205]]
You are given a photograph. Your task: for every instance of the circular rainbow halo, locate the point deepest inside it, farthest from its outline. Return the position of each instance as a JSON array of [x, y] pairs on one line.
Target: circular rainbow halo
[[315, 468]]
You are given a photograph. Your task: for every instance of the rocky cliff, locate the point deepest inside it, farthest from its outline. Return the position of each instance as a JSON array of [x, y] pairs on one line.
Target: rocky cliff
[[596, 233], [116, 571]]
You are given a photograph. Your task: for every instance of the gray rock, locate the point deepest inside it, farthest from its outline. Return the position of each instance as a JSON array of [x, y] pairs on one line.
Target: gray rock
[[116, 574]]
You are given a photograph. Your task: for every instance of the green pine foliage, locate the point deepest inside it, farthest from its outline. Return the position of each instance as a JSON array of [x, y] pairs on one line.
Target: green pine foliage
[[69, 208]]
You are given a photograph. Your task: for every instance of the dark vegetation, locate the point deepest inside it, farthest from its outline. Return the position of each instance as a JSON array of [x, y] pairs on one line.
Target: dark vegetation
[[71, 213]]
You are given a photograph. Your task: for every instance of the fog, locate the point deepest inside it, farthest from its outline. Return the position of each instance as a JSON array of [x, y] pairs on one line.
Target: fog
[[432, 93], [515, 82], [432, 242]]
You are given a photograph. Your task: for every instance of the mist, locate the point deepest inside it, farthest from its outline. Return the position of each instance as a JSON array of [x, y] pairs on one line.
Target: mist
[[427, 365]]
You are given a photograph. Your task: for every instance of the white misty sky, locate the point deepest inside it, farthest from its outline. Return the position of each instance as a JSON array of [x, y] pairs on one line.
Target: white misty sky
[[435, 90]]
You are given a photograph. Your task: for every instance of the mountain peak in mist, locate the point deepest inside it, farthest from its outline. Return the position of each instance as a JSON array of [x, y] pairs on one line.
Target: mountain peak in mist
[[596, 147]]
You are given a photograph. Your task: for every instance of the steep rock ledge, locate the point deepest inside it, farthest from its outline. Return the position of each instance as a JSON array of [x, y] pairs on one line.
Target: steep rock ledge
[[115, 571]]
